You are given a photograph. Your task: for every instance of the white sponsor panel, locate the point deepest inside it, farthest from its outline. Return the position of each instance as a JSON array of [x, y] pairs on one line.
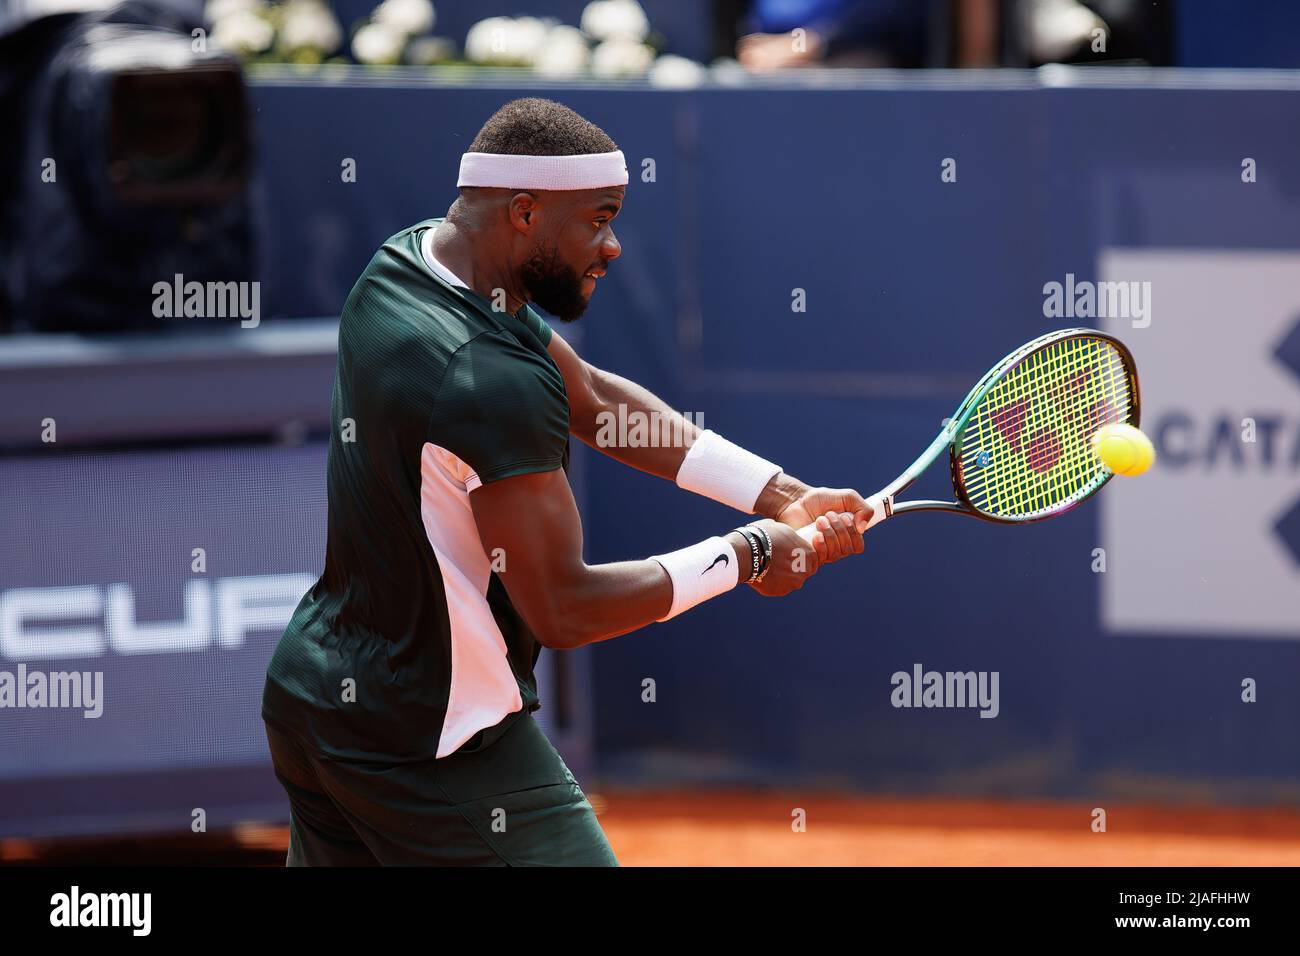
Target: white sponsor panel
[[1199, 544]]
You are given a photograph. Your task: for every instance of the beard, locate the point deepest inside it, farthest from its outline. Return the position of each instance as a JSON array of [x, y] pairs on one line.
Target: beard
[[552, 284]]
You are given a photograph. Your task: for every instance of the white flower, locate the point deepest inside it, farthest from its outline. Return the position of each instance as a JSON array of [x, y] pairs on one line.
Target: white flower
[[243, 32], [527, 39], [506, 40], [310, 24], [378, 43], [486, 40], [621, 57], [220, 9], [564, 53], [1058, 28], [411, 17], [676, 72], [610, 19]]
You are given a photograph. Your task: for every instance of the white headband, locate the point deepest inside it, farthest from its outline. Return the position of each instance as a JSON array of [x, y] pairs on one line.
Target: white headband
[[585, 171]]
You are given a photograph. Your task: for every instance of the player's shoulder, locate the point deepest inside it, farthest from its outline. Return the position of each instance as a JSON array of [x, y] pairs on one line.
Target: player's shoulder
[[398, 275], [494, 367], [398, 304]]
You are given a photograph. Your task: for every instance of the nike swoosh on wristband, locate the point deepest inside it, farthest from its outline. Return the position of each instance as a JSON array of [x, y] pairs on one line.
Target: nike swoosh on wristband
[[722, 557]]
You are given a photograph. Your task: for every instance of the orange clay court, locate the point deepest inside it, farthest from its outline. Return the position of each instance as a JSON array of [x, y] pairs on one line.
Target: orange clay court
[[720, 828]]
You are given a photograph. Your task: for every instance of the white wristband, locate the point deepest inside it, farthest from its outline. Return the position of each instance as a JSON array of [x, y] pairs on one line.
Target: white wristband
[[725, 472], [699, 572]]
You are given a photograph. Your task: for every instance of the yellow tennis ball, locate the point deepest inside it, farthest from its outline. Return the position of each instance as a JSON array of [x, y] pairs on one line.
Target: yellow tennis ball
[[1124, 449]]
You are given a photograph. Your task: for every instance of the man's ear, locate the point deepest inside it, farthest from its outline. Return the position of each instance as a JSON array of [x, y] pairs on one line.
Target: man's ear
[[523, 211]]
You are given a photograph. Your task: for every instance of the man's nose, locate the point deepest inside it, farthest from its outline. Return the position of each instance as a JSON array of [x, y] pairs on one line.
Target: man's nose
[[611, 248]]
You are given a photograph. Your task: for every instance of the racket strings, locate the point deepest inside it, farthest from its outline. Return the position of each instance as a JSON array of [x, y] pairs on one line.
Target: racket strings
[[1077, 460], [1037, 414], [1027, 446], [1051, 439]]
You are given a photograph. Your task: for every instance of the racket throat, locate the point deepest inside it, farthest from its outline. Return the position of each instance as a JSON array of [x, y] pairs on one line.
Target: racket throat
[[882, 507]]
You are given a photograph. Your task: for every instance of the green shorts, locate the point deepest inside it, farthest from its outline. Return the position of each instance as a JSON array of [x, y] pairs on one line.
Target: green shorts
[[513, 803]]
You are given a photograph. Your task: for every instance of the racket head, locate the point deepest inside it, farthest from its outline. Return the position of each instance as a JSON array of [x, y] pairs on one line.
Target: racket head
[[1022, 449]]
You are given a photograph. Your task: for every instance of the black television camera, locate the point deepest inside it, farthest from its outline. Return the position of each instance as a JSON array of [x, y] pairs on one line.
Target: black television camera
[[127, 162]]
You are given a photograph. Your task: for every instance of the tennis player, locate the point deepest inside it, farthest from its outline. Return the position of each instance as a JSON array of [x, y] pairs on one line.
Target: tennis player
[[398, 702]]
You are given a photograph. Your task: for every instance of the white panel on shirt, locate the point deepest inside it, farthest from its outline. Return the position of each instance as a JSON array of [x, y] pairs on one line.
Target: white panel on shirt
[[483, 687]]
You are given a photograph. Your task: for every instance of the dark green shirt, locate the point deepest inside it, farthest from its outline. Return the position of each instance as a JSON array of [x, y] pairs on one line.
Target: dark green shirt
[[408, 646]]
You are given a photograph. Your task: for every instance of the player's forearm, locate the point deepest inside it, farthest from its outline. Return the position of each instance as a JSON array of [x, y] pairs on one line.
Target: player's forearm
[[617, 398], [629, 424], [532, 523], [606, 600], [782, 491]]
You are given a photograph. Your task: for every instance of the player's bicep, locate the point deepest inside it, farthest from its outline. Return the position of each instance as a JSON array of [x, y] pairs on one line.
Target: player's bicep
[[579, 383], [534, 521]]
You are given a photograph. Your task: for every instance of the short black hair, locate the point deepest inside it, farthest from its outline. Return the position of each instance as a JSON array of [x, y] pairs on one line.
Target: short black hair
[[537, 127]]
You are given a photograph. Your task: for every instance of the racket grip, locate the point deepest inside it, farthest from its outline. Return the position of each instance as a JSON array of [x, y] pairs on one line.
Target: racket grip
[[879, 512]]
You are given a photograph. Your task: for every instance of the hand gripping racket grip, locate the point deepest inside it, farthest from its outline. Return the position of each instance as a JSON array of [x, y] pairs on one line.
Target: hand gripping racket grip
[[881, 506]]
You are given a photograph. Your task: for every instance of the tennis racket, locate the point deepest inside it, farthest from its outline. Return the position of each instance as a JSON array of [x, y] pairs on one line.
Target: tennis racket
[[1020, 444]]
